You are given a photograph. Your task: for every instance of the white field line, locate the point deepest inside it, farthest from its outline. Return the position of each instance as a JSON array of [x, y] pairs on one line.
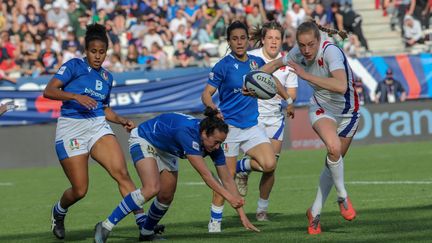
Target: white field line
[[200, 183], [389, 182], [6, 184]]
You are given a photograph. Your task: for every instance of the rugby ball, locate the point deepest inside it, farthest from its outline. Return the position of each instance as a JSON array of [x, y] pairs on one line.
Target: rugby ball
[[261, 83]]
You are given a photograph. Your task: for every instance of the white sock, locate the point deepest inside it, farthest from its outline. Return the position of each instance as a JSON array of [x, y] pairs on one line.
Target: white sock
[[138, 197], [324, 187], [60, 209], [337, 172], [107, 225], [262, 205]]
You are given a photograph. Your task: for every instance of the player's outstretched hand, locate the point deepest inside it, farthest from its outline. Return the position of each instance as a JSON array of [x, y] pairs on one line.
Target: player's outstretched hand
[[86, 101], [248, 225], [290, 111]]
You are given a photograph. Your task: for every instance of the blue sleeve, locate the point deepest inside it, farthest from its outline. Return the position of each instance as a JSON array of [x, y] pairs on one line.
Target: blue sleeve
[[189, 145], [260, 62], [218, 157], [65, 73], [217, 75]]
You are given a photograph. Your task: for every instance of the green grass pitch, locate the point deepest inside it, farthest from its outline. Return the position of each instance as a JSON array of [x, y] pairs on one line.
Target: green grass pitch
[[390, 186]]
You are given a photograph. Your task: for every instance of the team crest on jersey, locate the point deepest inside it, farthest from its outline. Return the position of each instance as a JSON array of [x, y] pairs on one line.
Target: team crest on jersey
[[211, 75], [253, 65], [321, 62], [61, 70], [195, 146], [73, 144], [150, 150], [224, 147], [104, 74]]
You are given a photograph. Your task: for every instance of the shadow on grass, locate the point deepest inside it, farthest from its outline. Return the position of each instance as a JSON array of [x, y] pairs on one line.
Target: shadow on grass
[[403, 224]]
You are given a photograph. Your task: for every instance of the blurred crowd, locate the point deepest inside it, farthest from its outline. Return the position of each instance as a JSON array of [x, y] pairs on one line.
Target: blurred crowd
[[37, 36], [412, 18]]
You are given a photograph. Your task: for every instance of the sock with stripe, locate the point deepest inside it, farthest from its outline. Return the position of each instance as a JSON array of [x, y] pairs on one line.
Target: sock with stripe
[[59, 210], [133, 201], [155, 213], [243, 165], [140, 218], [216, 213]]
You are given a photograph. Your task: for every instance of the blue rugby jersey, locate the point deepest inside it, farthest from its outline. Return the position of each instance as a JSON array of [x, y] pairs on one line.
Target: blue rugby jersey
[[227, 76], [78, 77], [177, 134]]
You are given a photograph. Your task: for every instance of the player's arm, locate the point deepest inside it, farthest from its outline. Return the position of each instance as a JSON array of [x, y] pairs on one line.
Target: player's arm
[[54, 91], [112, 116], [206, 96], [284, 94], [200, 166], [229, 184], [273, 65]]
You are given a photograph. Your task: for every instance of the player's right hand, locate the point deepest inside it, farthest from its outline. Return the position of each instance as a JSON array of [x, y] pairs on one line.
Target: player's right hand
[[86, 101], [236, 201]]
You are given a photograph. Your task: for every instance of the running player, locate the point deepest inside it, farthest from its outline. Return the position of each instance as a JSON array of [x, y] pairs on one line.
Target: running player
[[155, 147], [82, 129], [239, 111], [333, 109], [271, 113]]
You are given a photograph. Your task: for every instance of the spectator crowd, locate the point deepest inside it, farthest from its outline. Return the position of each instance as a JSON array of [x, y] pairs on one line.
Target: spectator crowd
[[37, 36]]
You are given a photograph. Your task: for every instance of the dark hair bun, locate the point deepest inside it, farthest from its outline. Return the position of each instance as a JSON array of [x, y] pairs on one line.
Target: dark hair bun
[[210, 112]]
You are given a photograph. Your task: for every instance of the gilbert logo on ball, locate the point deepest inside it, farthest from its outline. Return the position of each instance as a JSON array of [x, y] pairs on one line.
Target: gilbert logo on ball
[[261, 83]]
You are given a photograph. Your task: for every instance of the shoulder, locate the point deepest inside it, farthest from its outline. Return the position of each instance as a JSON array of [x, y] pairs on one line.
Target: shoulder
[[222, 63], [257, 59], [255, 52]]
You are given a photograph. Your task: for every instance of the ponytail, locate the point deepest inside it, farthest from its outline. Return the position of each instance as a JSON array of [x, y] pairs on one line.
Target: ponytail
[[316, 28], [212, 122]]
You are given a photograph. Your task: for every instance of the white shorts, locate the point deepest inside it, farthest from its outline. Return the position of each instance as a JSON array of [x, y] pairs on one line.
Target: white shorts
[[272, 126], [77, 136], [243, 139], [140, 148], [347, 124]]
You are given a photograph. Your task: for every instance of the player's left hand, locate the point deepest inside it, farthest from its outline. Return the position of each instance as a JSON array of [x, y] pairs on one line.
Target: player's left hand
[[248, 92], [128, 125], [290, 111], [297, 69], [248, 225]]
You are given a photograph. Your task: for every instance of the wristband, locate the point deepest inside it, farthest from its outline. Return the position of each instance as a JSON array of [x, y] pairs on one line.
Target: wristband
[[289, 101]]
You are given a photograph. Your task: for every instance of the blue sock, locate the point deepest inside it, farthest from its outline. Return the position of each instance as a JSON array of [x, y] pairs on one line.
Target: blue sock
[[133, 201], [140, 219], [243, 165], [156, 212], [216, 212], [59, 210]]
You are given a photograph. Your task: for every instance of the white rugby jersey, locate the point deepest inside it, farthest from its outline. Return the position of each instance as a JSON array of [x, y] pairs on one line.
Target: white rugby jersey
[[288, 79], [329, 58]]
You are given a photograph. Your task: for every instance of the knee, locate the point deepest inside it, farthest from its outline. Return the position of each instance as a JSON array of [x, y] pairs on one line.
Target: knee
[[334, 150], [79, 192], [269, 166], [165, 198], [121, 176], [150, 190]]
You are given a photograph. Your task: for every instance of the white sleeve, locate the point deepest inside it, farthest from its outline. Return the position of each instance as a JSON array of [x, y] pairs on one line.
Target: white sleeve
[[291, 81], [291, 55], [334, 58]]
